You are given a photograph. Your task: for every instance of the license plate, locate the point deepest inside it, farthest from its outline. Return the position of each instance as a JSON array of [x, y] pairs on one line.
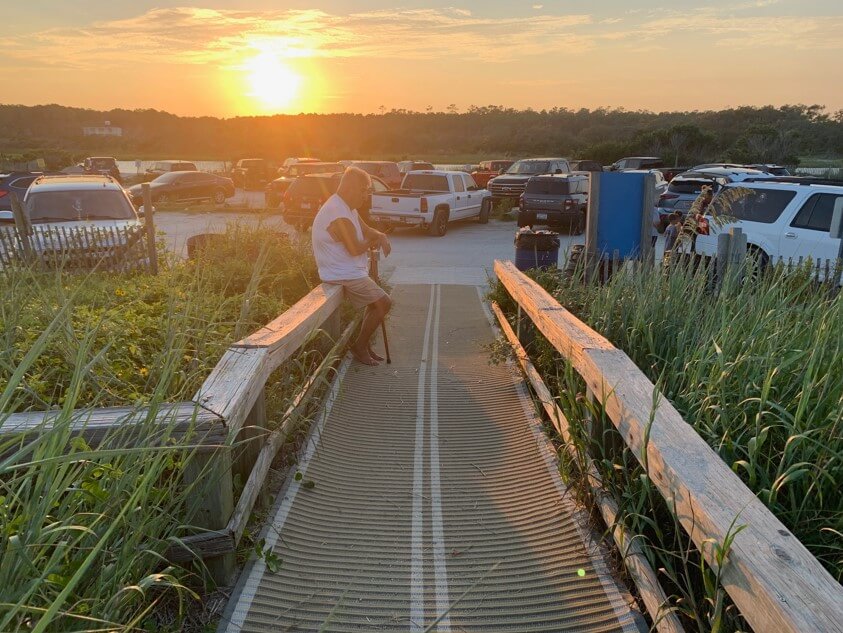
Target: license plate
[[541, 216]]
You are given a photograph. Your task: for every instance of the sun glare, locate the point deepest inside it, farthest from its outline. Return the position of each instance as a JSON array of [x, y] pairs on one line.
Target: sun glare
[[272, 83]]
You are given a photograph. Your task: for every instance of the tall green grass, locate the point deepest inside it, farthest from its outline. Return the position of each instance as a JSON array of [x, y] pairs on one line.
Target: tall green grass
[[83, 530], [757, 370]]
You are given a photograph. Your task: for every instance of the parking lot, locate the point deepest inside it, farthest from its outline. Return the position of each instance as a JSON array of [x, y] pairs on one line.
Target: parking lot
[[464, 255]]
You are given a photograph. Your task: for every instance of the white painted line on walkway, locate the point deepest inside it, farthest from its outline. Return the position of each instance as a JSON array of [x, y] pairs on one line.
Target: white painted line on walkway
[[247, 595], [416, 545], [439, 567]]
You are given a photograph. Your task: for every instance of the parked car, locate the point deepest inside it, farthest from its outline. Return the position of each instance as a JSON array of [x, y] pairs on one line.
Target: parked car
[[385, 170], [105, 165], [489, 169], [305, 195], [636, 162], [252, 173], [681, 193], [431, 199], [511, 183], [585, 165], [166, 166], [56, 204], [783, 218], [405, 166], [17, 182], [558, 200], [690, 182], [275, 189], [185, 186], [776, 170]]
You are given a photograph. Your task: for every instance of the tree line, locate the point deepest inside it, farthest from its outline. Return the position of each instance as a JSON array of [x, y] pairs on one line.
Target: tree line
[[745, 134]]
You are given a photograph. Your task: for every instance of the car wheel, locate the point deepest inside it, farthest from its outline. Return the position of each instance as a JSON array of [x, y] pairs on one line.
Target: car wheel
[[219, 196], [485, 210], [757, 263], [439, 226]]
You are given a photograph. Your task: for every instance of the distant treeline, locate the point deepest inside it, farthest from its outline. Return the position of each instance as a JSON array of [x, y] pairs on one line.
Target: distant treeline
[[745, 134]]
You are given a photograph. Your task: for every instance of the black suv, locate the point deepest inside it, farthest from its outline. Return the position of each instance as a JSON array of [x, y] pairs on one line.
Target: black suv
[[511, 183], [557, 201], [104, 165]]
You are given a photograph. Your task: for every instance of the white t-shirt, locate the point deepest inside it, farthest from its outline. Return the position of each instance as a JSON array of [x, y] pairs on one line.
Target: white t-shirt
[[334, 261]]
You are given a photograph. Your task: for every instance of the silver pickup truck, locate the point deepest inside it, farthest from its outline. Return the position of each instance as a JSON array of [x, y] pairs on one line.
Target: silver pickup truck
[[431, 199]]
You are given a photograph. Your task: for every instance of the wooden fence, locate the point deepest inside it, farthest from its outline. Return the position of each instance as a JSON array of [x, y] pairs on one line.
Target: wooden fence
[[773, 579], [227, 417]]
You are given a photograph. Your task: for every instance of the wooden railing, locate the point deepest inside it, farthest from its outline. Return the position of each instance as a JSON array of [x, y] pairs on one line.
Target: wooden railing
[[226, 418], [773, 579]]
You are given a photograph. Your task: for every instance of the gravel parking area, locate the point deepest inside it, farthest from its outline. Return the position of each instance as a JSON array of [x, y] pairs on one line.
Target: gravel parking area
[[465, 253]]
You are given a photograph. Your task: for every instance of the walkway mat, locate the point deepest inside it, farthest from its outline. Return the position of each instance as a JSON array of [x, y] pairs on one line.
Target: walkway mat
[[429, 500]]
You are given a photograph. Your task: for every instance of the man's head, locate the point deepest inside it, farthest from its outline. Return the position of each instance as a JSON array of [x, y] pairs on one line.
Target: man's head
[[355, 187], [675, 217]]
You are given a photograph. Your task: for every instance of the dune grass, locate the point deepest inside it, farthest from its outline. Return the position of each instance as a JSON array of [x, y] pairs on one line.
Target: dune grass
[[757, 370], [83, 530]]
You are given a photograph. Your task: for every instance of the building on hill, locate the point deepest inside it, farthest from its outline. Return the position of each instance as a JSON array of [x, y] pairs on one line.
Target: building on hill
[[102, 130]]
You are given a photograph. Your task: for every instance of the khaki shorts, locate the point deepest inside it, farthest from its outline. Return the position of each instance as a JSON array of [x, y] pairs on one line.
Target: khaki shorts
[[361, 292]]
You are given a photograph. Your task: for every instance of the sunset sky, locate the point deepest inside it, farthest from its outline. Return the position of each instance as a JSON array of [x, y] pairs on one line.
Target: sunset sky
[[258, 56]]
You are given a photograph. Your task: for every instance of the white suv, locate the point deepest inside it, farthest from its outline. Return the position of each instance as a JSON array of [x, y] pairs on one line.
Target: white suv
[[783, 219]]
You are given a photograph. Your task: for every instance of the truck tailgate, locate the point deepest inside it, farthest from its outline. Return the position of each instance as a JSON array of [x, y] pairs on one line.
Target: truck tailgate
[[396, 203]]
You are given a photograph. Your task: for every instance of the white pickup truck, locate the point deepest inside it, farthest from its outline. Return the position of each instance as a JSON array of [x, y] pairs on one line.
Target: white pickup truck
[[431, 199]]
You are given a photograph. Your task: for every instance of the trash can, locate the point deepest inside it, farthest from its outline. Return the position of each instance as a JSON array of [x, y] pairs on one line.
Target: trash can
[[536, 249]]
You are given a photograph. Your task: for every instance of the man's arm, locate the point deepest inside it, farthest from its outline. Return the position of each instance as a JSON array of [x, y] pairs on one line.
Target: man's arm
[[342, 230]]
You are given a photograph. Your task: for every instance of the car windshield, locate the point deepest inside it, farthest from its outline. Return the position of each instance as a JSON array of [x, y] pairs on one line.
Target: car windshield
[[315, 168], [77, 205], [497, 165], [752, 205], [529, 167], [549, 186], [161, 167], [425, 182]]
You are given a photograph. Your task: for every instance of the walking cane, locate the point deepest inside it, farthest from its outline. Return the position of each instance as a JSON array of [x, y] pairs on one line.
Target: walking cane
[[374, 256]]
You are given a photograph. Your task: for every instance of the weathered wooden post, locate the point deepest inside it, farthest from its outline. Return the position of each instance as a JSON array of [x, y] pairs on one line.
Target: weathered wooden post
[[149, 222], [23, 228], [737, 253], [212, 502], [591, 253], [250, 440], [722, 262]]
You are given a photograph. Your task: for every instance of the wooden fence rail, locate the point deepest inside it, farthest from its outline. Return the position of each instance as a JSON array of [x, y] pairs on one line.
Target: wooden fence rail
[[772, 578]]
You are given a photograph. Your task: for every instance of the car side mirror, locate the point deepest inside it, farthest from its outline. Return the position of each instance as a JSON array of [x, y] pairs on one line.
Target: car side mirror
[[836, 230], [501, 172]]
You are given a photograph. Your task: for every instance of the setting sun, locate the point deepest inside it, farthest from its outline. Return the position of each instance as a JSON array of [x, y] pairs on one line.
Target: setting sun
[[271, 81]]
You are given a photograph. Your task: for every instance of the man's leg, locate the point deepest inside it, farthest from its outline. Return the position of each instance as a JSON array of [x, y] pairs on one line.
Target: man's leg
[[375, 313]]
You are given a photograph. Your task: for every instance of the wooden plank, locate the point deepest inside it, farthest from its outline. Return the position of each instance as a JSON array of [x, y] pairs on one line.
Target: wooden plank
[[181, 418], [567, 332], [291, 329], [233, 386], [773, 579], [631, 551]]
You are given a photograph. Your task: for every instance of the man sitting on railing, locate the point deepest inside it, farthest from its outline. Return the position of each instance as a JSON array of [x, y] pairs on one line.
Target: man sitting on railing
[[341, 241]]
